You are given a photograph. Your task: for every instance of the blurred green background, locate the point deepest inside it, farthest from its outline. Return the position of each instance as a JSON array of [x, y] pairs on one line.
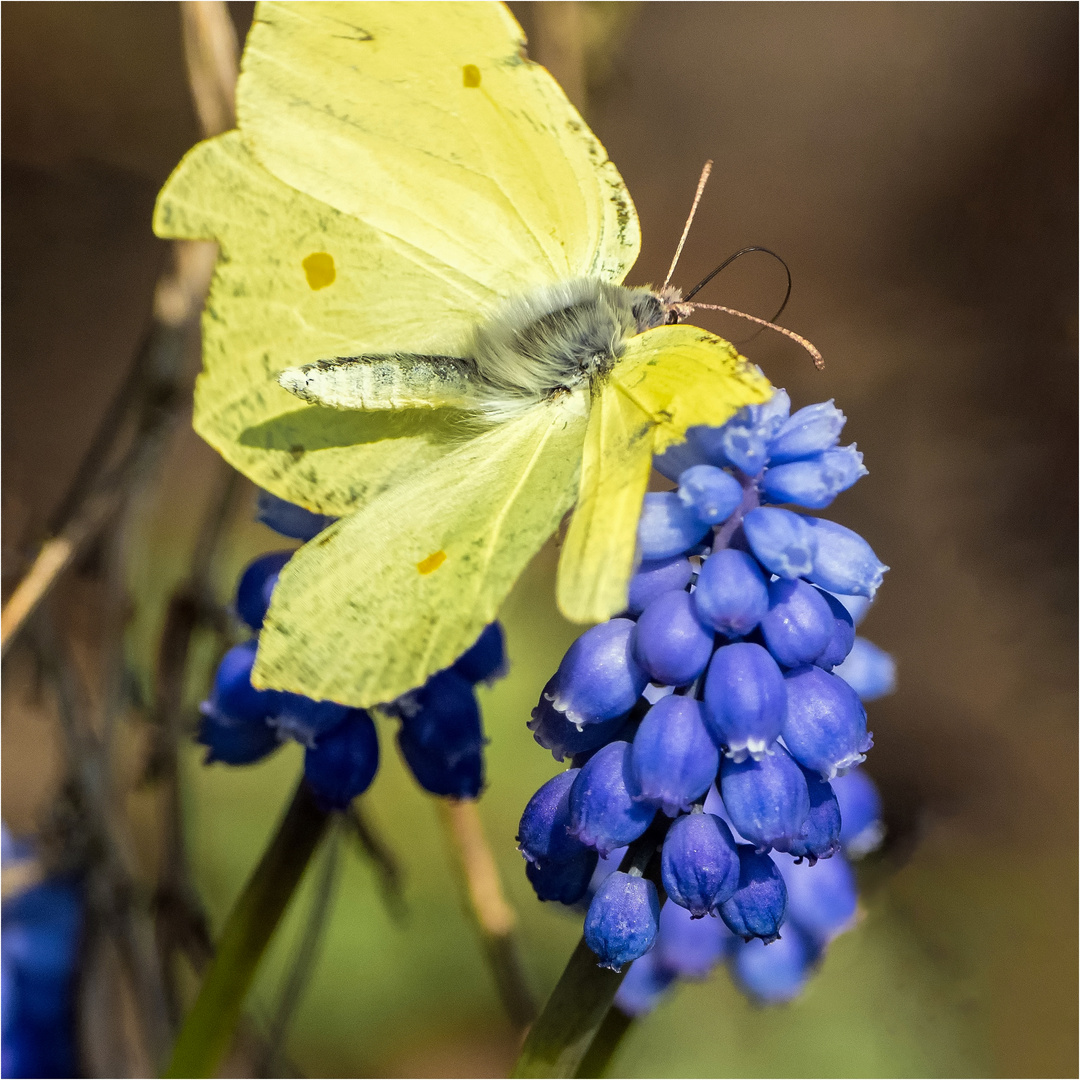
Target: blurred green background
[[915, 164]]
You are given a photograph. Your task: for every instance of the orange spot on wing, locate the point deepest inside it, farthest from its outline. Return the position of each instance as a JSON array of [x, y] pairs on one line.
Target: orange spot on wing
[[470, 76], [431, 563], [319, 270]]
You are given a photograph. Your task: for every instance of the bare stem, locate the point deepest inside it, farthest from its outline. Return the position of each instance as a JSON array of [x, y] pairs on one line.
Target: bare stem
[[381, 857], [486, 905]]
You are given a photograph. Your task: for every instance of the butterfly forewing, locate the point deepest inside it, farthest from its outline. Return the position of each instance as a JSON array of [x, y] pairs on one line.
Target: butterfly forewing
[[427, 122]]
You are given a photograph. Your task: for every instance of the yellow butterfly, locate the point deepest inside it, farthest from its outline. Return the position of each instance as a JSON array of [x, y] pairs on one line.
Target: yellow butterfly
[[417, 323]]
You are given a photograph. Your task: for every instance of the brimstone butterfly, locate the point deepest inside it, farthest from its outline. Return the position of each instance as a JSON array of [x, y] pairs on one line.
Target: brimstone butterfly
[[407, 191]]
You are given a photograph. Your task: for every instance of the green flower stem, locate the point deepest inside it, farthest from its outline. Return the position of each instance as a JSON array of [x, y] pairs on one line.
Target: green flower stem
[[209, 1027], [560, 1038], [612, 1030]]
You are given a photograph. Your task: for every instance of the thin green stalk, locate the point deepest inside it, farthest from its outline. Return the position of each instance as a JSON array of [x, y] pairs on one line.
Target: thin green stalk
[[610, 1035], [209, 1027], [307, 955], [560, 1038]]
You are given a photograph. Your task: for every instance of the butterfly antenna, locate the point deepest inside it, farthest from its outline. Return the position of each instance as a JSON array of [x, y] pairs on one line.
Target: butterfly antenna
[[819, 361], [689, 221], [729, 260]]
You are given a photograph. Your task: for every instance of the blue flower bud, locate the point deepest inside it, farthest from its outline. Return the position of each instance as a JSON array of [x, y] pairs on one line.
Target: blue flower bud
[[843, 634], [675, 460], [868, 670], [731, 594], [599, 678], [807, 432], [824, 722], [774, 973], [654, 578], [606, 810], [256, 584], [640, 992], [689, 947], [485, 660], [667, 526], [767, 800], [782, 541], [344, 761], [672, 757], [441, 736], [669, 642], [542, 835], [773, 414], [857, 606], [42, 928], [745, 698], [699, 865], [304, 719], [815, 481], [862, 829], [799, 624], [820, 837], [290, 520], [622, 920], [822, 897], [554, 732], [706, 445], [714, 495], [462, 778], [843, 562], [759, 903], [744, 440], [565, 881], [233, 697], [234, 742]]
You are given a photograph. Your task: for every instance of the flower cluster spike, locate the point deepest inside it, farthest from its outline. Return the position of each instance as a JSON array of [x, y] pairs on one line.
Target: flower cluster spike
[[723, 711], [441, 737]]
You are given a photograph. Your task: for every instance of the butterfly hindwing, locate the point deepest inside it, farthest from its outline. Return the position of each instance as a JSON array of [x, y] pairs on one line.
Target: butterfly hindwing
[[380, 600]]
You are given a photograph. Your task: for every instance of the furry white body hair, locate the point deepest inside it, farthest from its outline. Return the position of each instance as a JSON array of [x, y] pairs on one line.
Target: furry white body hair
[[530, 348], [554, 339]]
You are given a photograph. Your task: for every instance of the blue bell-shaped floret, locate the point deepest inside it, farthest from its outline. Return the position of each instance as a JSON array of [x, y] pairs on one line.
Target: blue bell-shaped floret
[[606, 810], [622, 920], [343, 762], [668, 526], [699, 864], [599, 678]]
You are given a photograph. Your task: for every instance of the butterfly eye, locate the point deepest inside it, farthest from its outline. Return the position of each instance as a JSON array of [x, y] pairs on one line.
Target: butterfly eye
[[648, 312]]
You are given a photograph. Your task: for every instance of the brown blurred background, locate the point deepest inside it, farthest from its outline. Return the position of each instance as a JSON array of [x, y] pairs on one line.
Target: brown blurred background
[[915, 164]]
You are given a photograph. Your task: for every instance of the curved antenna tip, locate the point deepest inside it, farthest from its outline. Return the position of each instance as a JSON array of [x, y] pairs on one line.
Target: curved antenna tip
[[819, 360]]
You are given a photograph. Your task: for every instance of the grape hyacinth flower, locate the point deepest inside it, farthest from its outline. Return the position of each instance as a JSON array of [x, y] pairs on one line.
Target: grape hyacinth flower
[[39, 954], [441, 736], [622, 920], [727, 696]]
